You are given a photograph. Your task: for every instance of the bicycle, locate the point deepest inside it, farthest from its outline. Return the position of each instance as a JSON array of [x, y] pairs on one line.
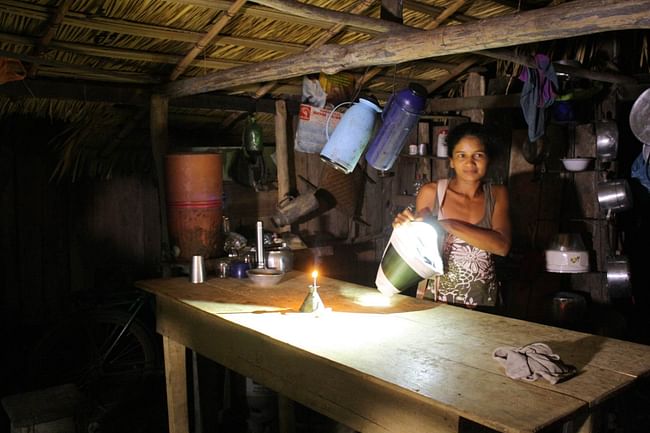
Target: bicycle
[[106, 348]]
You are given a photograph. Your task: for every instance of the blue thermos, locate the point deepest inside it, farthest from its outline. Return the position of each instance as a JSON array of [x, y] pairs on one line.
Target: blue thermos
[[351, 136], [400, 115]]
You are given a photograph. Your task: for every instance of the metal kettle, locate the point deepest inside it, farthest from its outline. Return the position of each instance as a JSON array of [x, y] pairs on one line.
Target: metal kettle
[[280, 258]]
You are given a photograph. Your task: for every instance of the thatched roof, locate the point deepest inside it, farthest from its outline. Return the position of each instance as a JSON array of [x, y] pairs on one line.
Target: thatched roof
[[84, 57]]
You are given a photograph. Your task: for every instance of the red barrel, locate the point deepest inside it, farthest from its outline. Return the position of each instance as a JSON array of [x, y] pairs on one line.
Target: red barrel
[[194, 186]]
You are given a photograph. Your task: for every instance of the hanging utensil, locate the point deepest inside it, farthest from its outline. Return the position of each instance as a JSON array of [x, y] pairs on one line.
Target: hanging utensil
[[606, 140], [534, 151], [252, 137], [640, 117]]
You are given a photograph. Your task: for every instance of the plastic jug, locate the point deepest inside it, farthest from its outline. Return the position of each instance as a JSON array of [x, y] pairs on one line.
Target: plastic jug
[[351, 136], [400, 115]]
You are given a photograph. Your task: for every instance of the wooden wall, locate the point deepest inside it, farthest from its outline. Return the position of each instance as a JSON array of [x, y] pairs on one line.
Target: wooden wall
[[62, 237]]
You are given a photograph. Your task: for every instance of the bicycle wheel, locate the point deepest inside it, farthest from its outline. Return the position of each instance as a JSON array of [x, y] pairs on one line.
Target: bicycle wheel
[[75, 351]]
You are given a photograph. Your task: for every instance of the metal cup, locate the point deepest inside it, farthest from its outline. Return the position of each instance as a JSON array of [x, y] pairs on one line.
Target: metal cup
[[224, 269], [197, 271]]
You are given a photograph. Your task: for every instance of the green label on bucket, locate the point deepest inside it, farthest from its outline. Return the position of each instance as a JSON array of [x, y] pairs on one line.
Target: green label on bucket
[[397, 270]]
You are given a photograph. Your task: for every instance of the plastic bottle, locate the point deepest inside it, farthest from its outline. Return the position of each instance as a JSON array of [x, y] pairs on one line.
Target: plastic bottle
[[441, 149]]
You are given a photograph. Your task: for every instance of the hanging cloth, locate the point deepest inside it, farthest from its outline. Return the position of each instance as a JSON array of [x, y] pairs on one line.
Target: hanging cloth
[[538, 93]]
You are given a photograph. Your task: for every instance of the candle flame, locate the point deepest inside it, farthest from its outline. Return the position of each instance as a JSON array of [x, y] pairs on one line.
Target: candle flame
[[314, 274]]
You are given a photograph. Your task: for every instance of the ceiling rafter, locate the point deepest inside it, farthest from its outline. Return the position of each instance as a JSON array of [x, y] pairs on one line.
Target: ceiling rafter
[[52, 26], [209, 36], [566, 20], [143, 30]]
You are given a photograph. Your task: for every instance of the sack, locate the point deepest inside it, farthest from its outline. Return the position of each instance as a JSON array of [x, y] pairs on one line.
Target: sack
[[310, 134]]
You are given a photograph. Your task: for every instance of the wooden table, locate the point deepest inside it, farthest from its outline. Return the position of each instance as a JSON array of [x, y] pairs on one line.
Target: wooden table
[[382, 364]]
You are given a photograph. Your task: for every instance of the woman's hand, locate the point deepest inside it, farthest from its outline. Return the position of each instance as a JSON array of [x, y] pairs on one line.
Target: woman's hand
[[402, 217]]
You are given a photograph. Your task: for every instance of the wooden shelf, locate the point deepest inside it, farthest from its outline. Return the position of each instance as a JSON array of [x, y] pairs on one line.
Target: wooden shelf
[[405, 155], [403, 200]]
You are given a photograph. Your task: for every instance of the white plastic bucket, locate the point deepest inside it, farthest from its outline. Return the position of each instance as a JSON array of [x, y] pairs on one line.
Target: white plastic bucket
[[413, 253]]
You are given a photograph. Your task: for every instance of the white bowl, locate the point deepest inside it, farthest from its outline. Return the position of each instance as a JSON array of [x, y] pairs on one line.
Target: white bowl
[[265, 277], [576, 164]]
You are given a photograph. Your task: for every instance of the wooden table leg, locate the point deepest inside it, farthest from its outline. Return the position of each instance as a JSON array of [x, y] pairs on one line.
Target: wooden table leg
[[286, 415], [176, 383], [581, 424]]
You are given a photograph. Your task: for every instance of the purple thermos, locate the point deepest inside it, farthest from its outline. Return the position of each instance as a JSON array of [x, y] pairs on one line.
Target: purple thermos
[[400, 115]]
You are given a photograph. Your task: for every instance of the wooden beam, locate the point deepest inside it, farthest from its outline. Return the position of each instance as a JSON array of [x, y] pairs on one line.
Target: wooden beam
[[75, 19], [302, 18], [49, 33], [360, 7], [529, 61], [77, 70], [435, 10], [124, 54], [455, 73], [159, 132], [206, 39], [563, 21], [443, 105], [134, 95], [282, 153], [317, 13], [445, 14]]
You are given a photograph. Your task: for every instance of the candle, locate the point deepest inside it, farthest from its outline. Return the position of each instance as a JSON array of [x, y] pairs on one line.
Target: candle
[[314, 275]]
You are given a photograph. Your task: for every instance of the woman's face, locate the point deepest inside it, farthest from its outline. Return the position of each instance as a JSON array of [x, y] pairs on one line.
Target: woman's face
[[469, 159]]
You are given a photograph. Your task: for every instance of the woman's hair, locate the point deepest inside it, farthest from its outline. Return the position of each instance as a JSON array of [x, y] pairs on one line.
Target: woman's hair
[[483, 133]]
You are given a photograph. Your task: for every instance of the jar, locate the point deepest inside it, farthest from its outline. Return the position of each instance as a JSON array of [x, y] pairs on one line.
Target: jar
[[441, 149]]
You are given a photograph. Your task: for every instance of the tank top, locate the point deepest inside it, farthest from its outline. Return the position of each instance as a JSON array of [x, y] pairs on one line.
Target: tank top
[[469, 277]]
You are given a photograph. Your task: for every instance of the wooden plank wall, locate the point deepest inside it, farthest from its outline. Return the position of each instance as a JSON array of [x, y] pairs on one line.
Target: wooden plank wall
[[61, 237], [33, 217]]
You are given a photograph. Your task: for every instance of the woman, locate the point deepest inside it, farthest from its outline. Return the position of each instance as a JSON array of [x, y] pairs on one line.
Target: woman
[[475, 216]]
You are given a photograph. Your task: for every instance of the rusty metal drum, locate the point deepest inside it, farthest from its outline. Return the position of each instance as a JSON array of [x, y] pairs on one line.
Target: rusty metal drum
[[194, 187]]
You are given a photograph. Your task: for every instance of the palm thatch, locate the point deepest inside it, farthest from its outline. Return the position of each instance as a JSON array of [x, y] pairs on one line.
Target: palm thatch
[[146, 43]]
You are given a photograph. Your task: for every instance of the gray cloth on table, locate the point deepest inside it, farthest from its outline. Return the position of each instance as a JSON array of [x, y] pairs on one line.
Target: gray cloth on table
[[533, 361]]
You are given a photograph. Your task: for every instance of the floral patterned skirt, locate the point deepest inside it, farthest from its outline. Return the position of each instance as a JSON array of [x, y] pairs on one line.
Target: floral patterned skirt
[[469, 277]]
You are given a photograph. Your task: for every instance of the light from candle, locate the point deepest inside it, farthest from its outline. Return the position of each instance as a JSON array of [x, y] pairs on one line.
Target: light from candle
[[314, 275]]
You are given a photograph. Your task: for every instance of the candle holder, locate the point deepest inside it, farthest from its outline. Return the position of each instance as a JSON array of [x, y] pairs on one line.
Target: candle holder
[[312, 302]]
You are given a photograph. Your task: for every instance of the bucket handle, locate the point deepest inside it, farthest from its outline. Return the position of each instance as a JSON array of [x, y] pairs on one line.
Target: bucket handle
[[329, 117]]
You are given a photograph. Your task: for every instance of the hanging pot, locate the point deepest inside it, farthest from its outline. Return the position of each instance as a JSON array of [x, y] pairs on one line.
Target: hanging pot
[[606, 140], [614, 195], [618, 277], [639, 116]]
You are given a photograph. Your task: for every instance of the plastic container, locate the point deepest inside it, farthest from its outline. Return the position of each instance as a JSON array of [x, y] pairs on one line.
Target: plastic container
[[351, 136], [413, 253]]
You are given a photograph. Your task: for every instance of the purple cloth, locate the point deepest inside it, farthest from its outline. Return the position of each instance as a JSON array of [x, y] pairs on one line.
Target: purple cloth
[[539, 92]]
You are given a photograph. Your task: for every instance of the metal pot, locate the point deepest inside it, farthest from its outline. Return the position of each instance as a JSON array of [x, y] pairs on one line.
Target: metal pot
[[606, 140], [618, 277], [614, 195], [568, 308], [280, 259], [639, 116]]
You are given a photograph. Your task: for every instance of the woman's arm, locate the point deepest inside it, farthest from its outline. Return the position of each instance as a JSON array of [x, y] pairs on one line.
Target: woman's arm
[[496, 240]]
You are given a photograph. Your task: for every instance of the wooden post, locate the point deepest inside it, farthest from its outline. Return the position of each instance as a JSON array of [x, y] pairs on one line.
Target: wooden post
[[281, 151], [159, 143]]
